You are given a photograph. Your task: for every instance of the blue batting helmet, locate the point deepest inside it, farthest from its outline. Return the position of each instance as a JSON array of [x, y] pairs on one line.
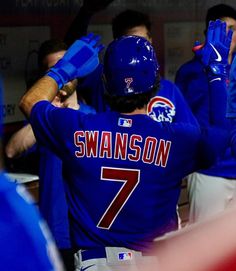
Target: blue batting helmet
[[130, 66]]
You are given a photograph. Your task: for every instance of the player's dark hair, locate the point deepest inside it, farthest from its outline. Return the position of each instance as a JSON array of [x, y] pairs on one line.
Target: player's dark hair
[[127, 104], [49, 47], [219, 11], [129, 19]]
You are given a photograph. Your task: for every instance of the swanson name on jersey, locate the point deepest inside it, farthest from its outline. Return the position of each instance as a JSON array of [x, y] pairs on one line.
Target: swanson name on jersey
[[95, 144]]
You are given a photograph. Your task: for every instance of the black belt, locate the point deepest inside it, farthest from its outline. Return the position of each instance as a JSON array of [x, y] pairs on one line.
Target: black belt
[[93, 254], [98, 253]]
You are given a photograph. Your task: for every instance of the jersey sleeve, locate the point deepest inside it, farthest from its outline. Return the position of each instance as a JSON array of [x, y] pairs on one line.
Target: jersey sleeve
[[207, 98], [48, 123], [25, 240]]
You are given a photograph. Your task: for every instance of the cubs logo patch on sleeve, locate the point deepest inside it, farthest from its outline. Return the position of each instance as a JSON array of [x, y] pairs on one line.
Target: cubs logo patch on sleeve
[[161, 109]]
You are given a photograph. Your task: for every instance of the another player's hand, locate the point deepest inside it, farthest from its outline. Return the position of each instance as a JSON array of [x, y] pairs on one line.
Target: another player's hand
[[79, 60], [94, 6], [214, 54]]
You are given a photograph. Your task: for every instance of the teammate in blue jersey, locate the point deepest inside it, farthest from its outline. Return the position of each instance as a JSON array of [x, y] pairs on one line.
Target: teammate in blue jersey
[[52, 198], [128, 22], [213, 189], [122, 167], [25, 242]]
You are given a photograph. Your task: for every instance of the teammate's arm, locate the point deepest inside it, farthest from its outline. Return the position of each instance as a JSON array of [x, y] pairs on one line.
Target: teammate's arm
[[44, 89], [215, 58], [20, 142], [79, 25]]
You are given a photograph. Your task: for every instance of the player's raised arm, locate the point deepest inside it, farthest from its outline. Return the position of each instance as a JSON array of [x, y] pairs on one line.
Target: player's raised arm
[[79, 60], [80, 23], [214, 56]]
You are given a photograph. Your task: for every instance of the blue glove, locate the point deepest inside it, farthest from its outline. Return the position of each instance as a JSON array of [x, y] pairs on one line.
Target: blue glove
[[231, 101], [214, 54], [79, 60]]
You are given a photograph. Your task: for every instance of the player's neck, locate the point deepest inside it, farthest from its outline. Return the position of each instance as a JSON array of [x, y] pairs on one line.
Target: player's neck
[[138, 111]]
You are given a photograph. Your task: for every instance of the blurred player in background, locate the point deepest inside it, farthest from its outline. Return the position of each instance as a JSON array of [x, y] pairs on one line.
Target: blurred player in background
[[52, 198], [211, 190], [122, 186], [25, 242]]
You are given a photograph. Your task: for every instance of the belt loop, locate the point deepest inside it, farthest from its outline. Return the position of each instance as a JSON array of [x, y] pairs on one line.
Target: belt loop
[[78, 259]]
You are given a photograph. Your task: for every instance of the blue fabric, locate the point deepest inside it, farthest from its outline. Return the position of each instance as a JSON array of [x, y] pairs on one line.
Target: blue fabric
[[92, 88], [231, 102], [192, 80], [25, 243], [52, 197], [96, 163]]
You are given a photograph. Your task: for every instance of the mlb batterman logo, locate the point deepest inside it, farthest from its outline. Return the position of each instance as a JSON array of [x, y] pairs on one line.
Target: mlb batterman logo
[[123, 122], [161, 109], [125, 256], [128, 82]]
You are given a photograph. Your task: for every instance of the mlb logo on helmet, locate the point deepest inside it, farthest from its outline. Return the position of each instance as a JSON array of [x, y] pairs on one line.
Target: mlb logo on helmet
[[125, 256]]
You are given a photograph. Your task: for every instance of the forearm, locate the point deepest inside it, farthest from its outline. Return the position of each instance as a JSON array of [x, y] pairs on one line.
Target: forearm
[[79, 26], [45, 88], [20, 142], [217, 101]]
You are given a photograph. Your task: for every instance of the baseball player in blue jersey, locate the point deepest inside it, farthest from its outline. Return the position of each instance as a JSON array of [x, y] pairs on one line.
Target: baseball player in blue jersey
[[25, 242], [128, 22], [121, 166], [52, 198], [165, 107], [213, 189]]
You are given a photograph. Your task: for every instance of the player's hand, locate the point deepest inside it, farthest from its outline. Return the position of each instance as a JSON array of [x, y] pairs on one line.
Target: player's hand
[[231, 101], [214, 54], [94, 6], [79, 60]]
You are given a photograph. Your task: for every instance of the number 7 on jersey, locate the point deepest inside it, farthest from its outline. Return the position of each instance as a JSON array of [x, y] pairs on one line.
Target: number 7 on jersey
[[130, 179]]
